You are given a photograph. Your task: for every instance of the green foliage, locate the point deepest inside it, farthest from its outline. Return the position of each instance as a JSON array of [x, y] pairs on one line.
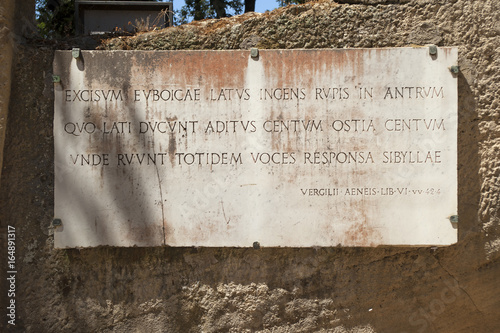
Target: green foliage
[[283, 3], [57, 22], [195, 10]]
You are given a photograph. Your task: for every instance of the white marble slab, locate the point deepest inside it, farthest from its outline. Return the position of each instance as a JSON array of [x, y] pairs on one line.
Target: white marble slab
[[295, 148]]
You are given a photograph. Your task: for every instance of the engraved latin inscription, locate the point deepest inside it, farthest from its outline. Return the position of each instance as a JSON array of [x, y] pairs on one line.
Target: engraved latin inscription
[[219, 149]]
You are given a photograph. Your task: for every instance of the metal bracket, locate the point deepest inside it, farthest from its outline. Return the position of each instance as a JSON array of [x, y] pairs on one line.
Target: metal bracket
[[76, 53], [56, 222], [454, 219], [455, 69], [254, 52], [433, 50]]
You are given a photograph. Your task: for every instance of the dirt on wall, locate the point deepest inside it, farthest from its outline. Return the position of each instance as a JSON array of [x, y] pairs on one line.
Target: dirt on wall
[[383, 289]]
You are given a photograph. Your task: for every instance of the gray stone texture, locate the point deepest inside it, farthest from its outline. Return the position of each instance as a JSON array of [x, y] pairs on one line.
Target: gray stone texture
[[385, 289]]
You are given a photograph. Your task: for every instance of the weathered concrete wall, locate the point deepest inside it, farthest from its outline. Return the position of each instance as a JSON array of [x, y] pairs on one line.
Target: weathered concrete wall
[[450, 289]]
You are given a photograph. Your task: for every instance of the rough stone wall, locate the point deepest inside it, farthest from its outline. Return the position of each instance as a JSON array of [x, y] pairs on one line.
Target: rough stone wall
[[6, 54], [384, 289]]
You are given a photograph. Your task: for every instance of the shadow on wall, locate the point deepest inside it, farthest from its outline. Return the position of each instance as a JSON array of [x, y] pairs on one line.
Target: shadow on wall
[[469, 183]]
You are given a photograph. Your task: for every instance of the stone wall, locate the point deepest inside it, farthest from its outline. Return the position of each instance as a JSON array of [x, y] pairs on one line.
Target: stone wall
[[384, 289], [6, 54]]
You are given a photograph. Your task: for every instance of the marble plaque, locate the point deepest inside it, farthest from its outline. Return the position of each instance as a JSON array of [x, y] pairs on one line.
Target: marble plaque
[[292, 148]]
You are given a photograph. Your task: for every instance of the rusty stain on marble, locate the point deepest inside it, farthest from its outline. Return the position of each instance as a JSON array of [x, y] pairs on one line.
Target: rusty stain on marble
[[352, 147]]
